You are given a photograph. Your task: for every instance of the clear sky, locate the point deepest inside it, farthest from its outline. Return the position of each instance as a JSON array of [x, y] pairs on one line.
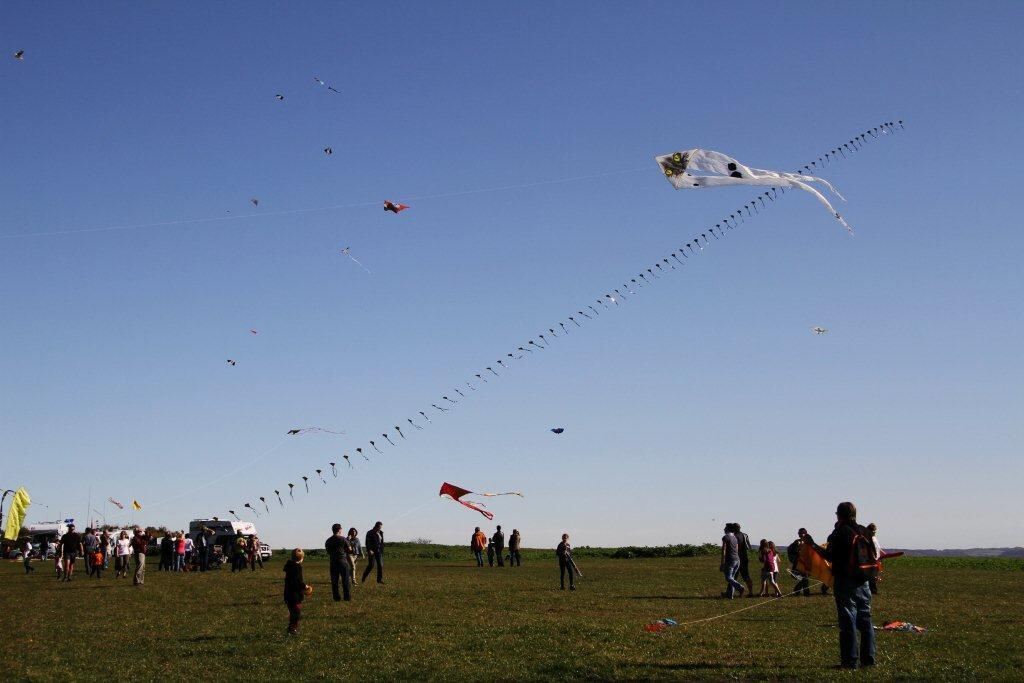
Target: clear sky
[[704, 400]]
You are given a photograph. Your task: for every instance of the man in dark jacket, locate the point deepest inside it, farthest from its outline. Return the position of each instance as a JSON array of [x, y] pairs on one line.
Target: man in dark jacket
[[166, 552], [338, 550], [852, 594], [499, 545], [803, 583], [375, 551]]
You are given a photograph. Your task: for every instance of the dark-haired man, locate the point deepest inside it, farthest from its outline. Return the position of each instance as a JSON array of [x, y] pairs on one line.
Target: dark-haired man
[[803, 582], [338, 550], [375, 552], [850, 584]]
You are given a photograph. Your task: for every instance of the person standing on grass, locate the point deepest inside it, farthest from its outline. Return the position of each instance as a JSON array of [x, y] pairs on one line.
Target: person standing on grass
[[139, 544], [295, 590], [238, 552], [743, 541], [803, 582], [90, 544], [565, 563], [514, 543], [731, 562], [26, 555], [166, 552], [105, 548], [179, 552], [190, 550], [499, 545], [199, 549], [477, 542], [69, 549], [490, 553], [122, 550], [849, 549], [769, 568], [355, 552], [375, 552], [338, 550]]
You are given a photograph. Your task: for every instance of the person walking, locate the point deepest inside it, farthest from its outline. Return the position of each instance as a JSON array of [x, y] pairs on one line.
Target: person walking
[[69, 549], [122, 551], [499, 545], [26, 555], [730, 562], [355, 553], [375, 552], [490, 553], [565, 563], [338, 550], [743, 542], [139, 544], [803, 582], [477, 542], [851, 553], [514, 543], [190, 552], [769, 568], [295, 590]]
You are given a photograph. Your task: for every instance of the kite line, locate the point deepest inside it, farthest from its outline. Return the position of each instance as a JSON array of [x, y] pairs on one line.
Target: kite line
[[334, 207], [631, 286]]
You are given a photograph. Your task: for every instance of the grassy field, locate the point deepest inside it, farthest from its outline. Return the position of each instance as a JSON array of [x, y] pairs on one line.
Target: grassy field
[[440, 617]]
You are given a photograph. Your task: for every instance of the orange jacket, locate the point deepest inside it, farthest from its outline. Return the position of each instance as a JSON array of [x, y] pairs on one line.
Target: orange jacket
[[479, 541]]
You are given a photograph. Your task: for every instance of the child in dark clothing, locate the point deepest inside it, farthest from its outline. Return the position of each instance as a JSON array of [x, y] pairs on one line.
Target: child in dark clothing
[[295, 589]]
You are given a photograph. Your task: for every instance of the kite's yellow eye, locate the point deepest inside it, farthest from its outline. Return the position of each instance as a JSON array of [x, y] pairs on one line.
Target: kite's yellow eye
[[668, 171], [677, 157]]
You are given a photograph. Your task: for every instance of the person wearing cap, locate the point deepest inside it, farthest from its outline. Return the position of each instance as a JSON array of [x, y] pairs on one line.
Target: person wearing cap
[[69, 549], [850, 586]]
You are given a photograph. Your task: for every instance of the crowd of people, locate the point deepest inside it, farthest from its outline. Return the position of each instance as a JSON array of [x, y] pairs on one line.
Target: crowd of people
[[494, 546], [853, 553]]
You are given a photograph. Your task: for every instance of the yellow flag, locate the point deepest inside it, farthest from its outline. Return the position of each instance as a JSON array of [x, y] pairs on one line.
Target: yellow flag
[[16, 514], [137, 505]]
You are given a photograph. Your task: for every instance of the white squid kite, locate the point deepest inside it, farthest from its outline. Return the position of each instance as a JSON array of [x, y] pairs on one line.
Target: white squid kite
[[694, 168]]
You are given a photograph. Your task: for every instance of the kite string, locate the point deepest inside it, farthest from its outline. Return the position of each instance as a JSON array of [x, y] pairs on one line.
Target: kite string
[[335, 207], [755, 606], [883, 127], [217, 480]]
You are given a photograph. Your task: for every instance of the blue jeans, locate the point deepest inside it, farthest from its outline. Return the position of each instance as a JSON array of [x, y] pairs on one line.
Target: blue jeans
[[853, 607], [479, 555], [730, 578]]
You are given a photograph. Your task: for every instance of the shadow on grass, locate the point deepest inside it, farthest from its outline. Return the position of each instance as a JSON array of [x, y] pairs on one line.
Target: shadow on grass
[[684, 666]]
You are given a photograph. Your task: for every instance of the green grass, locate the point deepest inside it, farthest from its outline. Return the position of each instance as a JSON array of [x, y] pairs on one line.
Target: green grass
[[440, 617]]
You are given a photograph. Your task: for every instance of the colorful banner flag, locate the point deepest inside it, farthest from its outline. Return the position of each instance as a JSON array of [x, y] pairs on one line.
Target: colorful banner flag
[[16, 514]]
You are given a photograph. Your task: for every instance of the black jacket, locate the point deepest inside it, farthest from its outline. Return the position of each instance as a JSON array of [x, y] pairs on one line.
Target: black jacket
[[294, 582], [499, 540], [840, 548], [375, 541]]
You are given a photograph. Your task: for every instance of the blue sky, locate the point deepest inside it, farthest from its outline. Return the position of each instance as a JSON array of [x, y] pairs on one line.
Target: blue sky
[[704, 400]]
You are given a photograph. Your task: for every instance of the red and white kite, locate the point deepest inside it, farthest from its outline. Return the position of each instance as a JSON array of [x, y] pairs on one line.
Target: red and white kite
[[457, 492], [394, 208]]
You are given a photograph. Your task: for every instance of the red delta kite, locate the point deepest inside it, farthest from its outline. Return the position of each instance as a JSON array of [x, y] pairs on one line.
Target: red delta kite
[[394, 208], [457, 492]]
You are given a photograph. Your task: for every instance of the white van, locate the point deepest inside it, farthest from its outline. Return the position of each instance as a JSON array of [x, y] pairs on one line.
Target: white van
[[224, 533]]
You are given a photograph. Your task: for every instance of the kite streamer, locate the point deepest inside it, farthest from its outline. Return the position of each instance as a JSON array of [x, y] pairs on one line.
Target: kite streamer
[[456, 493], [699, 160]]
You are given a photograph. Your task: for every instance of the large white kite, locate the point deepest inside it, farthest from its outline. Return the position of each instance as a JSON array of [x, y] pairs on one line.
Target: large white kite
[[714, 169]]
